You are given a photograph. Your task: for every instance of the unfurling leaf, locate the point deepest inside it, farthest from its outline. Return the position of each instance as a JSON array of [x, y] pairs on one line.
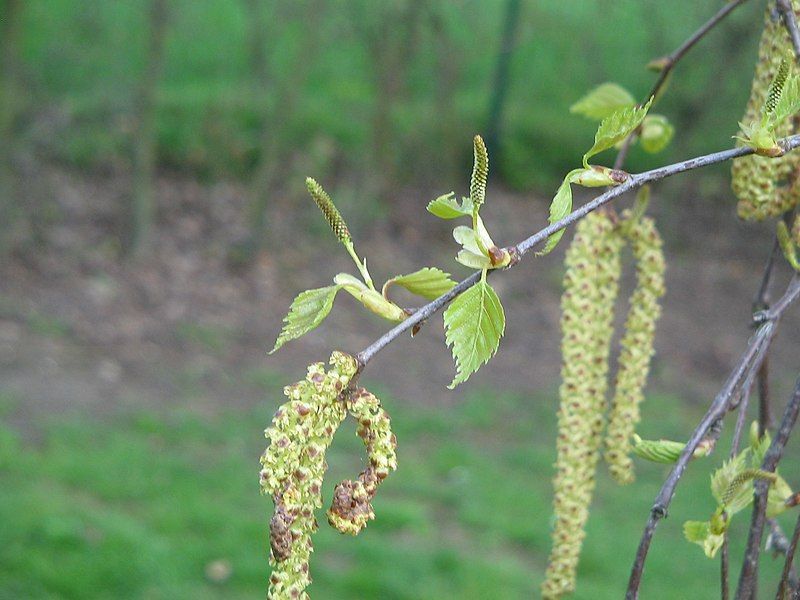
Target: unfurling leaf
[[480, 174], [308, 310], [332, 214], [787, 245], [447, 207], [371, 299], [474, 324], [597, 176], [429, 282], [656, 134], [789, 103], [615, 128], [602, 101], [560, 207], [700, 532]]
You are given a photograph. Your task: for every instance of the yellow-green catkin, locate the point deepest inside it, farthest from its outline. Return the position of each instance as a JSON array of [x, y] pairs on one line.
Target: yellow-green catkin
[[293, 467], [796, 231], [637, 346], [590, 290], [767, 187], [351, 508]]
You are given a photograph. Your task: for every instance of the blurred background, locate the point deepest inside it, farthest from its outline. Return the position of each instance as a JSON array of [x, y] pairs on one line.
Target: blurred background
[[154, 228]]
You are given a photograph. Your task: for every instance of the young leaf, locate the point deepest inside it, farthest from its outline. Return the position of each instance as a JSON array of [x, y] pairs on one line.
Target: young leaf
[[656, 134], [602, 101], [616, 128], [560, 207], [429, 282], [474, 324], [787, 245], [308, 310], [447, 207], [480, 173], [699, 532], [789, 103]]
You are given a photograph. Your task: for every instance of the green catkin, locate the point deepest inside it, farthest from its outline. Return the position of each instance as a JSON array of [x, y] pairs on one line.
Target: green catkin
[[741, 479], [590, 290], [351, 508], [293, 467], [796, 231], [637, 346], [328, 208], [767, 187], [480, 173]]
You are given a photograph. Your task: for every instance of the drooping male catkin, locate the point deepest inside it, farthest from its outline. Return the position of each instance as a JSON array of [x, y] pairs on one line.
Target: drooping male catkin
[[351, 508], [328, 208], [293, 467], [636, 345], [767, 187], [590, 290]]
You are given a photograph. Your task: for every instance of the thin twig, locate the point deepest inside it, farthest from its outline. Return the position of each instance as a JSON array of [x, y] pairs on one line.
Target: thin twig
[[668, 62], [789, 21], [787, 565], [633, 182], [750, 361], [770, 463]]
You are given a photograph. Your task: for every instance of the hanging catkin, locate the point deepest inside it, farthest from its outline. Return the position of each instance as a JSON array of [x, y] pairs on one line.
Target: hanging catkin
[[767, 187], [590, 290], [636, 345]]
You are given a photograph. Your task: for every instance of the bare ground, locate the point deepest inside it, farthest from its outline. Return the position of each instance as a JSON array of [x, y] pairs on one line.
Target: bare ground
[[83, 329]]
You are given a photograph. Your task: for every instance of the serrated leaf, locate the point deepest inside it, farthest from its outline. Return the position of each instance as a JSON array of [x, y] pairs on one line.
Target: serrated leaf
[[787, 245], [724, 477], [789, 103], [616, 128], [656, 134], [447, 207], [474, 324], [428, 282], [307, 311], [602, 101], [696, 531], [560, 207]]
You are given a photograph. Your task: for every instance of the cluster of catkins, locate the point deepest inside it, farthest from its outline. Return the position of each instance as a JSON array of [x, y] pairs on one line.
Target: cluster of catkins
[[765, 186], [294, 464], [591, 284]]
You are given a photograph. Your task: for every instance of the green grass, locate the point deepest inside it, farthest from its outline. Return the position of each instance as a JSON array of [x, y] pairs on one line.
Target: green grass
[[138, 505], [87, 64]]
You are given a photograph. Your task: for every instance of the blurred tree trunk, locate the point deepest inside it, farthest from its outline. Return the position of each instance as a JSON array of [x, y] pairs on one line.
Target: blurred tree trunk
[[392, 42], [10, 27], [448, 65], [145, 140], [502, 80], [276, 97]]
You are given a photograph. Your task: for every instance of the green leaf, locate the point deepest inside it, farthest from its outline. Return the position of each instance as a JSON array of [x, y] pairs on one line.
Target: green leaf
[[474, 324], [724, 487], [602, 101], [656, 134], [560, 207], [616, 128], [447, 207], [696, 531], [787, 245], [308, 310], [428, 282]]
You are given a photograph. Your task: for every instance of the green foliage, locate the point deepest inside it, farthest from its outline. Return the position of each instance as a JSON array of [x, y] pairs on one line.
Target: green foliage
[[560, 207], [478, 249], [474, 323], [615, 128], [447, 207], [603, 101], [788, 246], [429, 282], [664, 451], [307, 311], [731, 486]]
